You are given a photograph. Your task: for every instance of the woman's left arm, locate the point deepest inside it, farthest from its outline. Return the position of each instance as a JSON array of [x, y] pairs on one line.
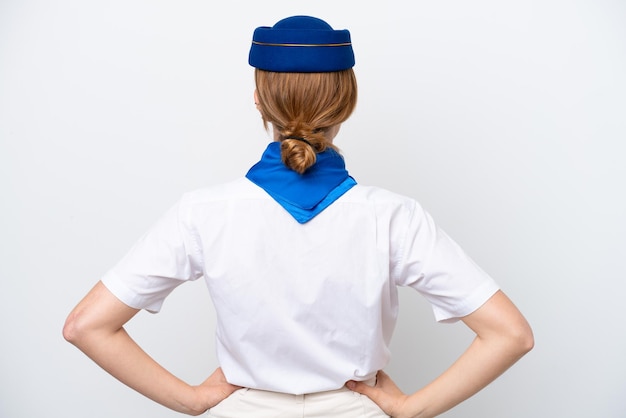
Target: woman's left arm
[[96, 327], [503, 336]]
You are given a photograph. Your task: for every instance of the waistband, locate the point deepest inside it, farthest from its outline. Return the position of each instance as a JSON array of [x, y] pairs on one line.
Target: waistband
[[298, 398]]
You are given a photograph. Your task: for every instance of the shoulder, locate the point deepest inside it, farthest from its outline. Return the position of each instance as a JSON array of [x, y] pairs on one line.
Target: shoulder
[[213, 202], [240, 188], [379, 196]]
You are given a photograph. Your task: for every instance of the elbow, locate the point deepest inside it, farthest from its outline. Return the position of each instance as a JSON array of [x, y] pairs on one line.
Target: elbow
[[524, 339], [529, 342], [73, 332], [70, 330]]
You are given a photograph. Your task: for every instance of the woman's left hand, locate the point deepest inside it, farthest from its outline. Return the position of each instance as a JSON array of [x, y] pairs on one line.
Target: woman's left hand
[[215, 389]]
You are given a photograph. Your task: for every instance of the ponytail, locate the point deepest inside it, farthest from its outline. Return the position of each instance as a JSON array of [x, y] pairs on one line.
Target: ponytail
[[301, 107]]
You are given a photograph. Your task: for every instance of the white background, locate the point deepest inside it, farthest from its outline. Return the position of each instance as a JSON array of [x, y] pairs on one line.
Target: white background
[[506, 120]]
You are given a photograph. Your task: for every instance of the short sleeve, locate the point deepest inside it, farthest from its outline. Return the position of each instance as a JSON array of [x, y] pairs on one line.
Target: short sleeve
[[437, 267], [165, 257]]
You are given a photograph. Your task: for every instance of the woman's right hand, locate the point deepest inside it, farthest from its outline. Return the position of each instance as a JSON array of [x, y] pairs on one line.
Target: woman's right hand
[[502, 337], [386, 394]]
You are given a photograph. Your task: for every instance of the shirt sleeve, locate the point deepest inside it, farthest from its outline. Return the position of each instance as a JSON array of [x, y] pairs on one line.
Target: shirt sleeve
[[438, 268], [165, 257]]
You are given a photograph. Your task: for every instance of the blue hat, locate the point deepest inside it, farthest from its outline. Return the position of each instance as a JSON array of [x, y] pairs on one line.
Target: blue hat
[[301, 44]]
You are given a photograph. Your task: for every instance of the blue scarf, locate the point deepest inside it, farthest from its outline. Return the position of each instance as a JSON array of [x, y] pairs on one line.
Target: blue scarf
[[302, 195]]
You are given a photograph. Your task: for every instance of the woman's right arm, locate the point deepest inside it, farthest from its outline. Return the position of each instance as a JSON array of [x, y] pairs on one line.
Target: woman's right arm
[[502, 337], [96, 327]]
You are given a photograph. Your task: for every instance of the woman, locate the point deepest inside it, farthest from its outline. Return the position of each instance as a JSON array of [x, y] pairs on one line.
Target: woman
[[302, 264]]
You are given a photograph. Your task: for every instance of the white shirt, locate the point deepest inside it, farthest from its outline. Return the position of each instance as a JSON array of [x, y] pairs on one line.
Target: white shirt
[[301, 308]]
